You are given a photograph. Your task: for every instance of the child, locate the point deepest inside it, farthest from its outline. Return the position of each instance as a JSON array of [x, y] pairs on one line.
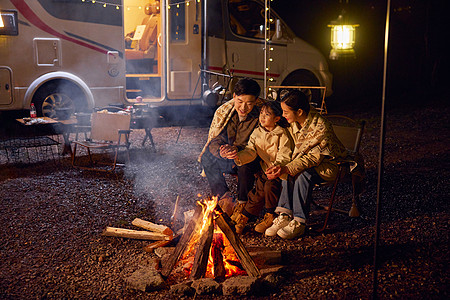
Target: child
[[272, 144], [314, 160]]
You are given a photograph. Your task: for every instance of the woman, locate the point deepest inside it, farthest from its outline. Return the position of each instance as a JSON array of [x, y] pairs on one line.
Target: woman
[[314, 160]]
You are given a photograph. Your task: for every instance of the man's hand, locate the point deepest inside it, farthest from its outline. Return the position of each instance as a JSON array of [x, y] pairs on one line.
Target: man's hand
[[228, 151], [275, 172]]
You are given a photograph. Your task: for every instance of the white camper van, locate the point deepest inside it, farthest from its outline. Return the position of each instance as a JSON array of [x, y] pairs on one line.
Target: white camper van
[[83, 54]]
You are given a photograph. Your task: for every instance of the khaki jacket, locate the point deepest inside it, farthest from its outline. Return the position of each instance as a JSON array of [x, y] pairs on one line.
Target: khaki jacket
[[220, 121], [315, 145], [273, 147]]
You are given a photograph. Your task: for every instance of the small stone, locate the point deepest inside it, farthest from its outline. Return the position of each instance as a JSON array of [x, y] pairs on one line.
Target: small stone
[[146, 279], [240, 285], [183, 288], [205, 286]]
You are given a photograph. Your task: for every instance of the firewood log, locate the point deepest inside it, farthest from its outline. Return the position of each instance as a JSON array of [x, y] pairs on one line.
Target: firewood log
[[135, 234], [152, 226]]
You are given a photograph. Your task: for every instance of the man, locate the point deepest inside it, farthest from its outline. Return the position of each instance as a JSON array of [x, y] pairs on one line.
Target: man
[[229, 132]]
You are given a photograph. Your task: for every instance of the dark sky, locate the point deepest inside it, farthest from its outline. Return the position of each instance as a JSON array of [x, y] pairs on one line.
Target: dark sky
[[415, 55]]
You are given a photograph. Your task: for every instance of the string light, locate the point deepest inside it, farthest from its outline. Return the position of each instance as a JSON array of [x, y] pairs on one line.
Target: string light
[[117, 6], [103, 3], [187, 2]]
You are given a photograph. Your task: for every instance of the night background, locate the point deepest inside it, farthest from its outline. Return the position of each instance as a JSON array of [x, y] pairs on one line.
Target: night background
[[53, 215], [416, 61]]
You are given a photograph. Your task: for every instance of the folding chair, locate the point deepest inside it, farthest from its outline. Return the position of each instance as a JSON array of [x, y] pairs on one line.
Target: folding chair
[[349, 132], [109, 131]]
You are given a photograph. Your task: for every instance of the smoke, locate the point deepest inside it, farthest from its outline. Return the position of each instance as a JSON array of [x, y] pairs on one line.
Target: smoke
[[170, 172]]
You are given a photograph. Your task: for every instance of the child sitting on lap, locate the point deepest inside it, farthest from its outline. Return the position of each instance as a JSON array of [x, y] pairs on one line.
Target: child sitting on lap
[[271, 142]]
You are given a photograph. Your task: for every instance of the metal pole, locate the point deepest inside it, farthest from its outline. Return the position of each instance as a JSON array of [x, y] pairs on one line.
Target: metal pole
[[265, 49], [381, 157]]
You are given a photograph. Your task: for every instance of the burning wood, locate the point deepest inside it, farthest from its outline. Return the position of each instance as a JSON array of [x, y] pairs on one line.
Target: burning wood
[[182, 243], [217, 248], [207, 216], [223, 221]]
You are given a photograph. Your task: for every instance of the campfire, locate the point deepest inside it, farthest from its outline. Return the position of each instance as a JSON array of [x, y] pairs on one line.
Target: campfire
[[219, 253]]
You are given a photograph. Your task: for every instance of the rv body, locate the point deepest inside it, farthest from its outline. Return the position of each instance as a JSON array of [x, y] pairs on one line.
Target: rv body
[[73, 53]]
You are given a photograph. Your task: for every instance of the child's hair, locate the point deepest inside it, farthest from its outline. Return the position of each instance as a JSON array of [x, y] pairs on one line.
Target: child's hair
[[247, 86], [296, 100], [275, 107]]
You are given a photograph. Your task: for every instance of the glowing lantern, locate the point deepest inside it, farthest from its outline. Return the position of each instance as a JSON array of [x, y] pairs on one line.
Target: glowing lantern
[[342, 38]]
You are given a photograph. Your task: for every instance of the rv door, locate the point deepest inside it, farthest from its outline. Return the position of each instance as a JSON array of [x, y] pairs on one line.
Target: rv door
[[184, 49]]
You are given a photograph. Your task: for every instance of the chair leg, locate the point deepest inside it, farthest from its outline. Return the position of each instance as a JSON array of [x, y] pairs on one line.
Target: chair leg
[[90, 156], [330, 205], [115, 159], [354, 211], [74, 154]]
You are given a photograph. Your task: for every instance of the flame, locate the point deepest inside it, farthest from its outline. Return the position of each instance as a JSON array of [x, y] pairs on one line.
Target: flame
[[208, 208], [231, 261]]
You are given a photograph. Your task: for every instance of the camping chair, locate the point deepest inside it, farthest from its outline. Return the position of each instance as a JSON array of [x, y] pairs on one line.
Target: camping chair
[[349, 132], [109, 131]]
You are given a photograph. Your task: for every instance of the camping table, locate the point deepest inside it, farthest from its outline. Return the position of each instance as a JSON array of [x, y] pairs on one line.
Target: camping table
[[35, 135], [50, 126]]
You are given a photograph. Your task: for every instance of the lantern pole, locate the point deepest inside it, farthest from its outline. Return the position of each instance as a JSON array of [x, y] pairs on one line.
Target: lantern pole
[[265, 48], [381, 157]]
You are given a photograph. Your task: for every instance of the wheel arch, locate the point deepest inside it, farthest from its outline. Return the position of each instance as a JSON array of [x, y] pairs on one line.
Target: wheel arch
[[301, 72], [46, 78]]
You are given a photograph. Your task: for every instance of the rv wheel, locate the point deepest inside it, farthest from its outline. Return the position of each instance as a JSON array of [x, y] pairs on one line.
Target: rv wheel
[[58, 97]]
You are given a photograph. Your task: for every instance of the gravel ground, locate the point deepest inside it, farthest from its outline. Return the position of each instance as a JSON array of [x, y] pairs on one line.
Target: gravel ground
[[52, 217]]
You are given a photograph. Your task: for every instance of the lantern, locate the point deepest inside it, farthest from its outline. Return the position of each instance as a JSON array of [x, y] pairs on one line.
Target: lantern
[[342, 38]]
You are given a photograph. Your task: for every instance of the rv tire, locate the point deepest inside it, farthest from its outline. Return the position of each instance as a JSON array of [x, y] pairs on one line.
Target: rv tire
[[59, 94], [304, 78]]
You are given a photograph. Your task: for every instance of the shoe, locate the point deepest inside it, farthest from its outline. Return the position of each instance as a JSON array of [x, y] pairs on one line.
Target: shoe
[[293, 230], [265, 223], [279, 222], [237, 210], [240, 223], [226, 202]]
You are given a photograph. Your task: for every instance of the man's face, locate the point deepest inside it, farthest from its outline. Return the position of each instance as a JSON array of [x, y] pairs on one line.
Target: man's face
[[244, 104]]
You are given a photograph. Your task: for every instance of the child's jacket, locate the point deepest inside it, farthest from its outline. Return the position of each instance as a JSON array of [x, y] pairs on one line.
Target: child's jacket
[[273, 147]]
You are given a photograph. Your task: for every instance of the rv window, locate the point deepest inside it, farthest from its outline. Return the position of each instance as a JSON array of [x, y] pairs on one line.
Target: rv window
[[85, 11], [8, 22], [177, 21], [247, 18]]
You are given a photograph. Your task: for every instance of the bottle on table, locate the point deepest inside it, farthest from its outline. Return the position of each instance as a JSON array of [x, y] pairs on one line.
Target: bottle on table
[[32, 111]]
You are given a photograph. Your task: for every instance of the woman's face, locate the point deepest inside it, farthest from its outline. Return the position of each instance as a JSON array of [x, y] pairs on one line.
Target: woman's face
[[289, 114]]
